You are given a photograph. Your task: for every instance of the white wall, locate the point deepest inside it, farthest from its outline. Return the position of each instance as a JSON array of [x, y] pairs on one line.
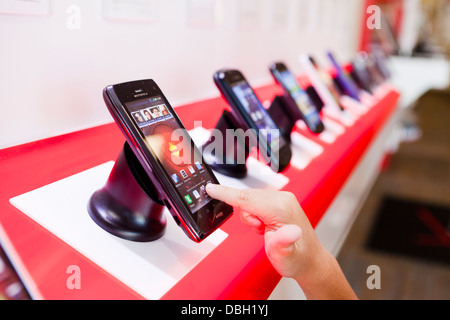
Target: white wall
[[411, 24], [51, 76]]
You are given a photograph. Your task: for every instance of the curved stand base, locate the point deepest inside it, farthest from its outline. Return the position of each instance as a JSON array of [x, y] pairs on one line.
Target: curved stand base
[[104, 209], [125, 207], [279, 113]]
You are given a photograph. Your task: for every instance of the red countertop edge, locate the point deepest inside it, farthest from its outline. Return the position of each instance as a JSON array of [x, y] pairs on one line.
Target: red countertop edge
[[236, 269]]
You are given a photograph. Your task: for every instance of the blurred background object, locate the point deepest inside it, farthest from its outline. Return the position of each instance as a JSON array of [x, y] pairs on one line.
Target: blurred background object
[[434, 36], [11, 287], [412, 27], [403, 226]]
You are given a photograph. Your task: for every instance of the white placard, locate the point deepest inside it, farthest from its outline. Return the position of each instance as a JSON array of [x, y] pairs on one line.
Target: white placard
[[328, 13], [353, 106], [303, 150], [130, 10], [149, 268], [205, 13], [32, 7], [314, 15], [279, 14], [250, 14], [302, 14]]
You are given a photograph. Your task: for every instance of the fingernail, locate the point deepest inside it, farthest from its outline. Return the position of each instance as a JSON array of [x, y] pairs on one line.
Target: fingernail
[[211, 187]]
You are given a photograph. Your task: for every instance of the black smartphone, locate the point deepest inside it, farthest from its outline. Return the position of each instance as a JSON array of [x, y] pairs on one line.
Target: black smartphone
[[251, 114], [381, 62], [299, 102], [169, 156], [326, 79], [361, 74], [346, 83]]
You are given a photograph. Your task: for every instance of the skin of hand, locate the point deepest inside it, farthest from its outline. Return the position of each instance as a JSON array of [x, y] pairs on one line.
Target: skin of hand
[[291, 244]]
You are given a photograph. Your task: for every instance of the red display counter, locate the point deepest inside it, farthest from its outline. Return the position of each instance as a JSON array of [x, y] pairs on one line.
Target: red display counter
[[236, 269]]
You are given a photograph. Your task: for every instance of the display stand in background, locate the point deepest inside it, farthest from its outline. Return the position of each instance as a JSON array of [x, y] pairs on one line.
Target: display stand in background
[[230, 157], [128, 206]]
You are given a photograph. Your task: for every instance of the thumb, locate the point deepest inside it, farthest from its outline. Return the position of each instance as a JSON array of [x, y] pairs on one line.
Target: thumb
[[280, 243]]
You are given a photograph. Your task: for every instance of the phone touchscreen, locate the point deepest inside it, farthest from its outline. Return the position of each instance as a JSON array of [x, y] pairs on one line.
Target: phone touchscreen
[[172, 146], [300, 98]]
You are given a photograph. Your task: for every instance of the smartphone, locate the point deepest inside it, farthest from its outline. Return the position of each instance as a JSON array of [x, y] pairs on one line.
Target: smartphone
[[360, 75], [361, 72], [168, 155], [251, 114], [314, 96], [348, 86], [299, 102], [376, 64], [380, 61], [322, 81]]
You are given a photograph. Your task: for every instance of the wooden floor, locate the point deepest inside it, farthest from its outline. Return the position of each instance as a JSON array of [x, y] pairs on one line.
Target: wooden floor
[[419, 171]]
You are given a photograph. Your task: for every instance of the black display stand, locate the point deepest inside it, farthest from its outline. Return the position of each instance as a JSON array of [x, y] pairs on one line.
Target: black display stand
[[228, 162], [315, 98], [283, 118], [128, 205], [220, 160]]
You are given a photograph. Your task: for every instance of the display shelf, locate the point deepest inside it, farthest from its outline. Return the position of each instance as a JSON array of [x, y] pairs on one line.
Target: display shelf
[[237, 268]]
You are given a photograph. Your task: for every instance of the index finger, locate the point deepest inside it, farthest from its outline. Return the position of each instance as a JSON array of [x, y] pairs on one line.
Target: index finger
[[259, 202]]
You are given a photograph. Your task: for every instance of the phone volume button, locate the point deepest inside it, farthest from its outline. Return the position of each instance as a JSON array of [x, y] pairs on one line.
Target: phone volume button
[[167, 204], [177, 220], [146, 164]]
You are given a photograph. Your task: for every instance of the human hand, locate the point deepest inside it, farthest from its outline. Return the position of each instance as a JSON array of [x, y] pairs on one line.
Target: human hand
[[291, 244]]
